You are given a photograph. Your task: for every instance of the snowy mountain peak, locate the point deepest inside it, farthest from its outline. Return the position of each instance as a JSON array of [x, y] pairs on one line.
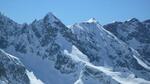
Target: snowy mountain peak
[[134, 20], [92, 20], [92, 25], [50, 18], [50, 14], [85, 53]]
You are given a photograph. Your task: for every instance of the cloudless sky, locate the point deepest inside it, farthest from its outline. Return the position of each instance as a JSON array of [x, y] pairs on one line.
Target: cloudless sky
[[72, 11]]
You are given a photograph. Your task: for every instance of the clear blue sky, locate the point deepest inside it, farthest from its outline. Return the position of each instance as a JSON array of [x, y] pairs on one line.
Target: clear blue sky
[[71, 11]]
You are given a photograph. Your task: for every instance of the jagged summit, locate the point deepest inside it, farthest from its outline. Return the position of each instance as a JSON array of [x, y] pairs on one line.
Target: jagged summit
[[50, 14], [50, 18], [49, 21], [88, 26], [85, 53], [135, 33], [92, 20], [133, 20], [6, 20]]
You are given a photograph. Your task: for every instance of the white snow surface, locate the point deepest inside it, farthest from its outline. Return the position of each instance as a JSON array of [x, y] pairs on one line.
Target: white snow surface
[[100, 34], [33, 79], [141, 63], [42, 71], [92, 20], [118, 76]]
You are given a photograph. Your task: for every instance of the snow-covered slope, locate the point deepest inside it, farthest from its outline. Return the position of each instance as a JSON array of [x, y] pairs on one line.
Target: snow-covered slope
[[85, 53], [12, 71], [136, 34], [103, 48]]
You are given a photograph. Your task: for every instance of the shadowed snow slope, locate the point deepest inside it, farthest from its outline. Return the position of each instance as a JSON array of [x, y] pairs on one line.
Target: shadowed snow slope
[[85, 53], [136, 34]]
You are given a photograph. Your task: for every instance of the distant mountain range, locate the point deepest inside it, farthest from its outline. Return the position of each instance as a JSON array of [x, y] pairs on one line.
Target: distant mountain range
[[48, 52]]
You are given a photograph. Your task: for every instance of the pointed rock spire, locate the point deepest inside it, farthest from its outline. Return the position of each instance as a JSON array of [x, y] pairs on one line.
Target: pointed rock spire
[[50, 18], [134, 20]]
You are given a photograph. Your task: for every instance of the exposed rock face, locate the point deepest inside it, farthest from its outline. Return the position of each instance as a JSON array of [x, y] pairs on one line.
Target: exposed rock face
[[84, 53], [135, 34], [103, 48], [12, 71]]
